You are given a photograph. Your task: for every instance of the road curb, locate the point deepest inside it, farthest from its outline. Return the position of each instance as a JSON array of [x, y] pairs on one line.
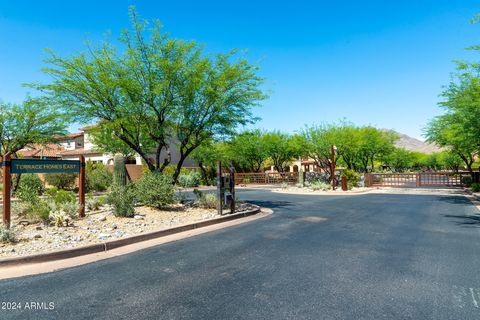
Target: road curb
[[109, 245]]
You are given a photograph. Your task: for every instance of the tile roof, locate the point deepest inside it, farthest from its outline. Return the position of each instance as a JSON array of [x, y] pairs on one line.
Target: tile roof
[[79, 151], [49, 150]]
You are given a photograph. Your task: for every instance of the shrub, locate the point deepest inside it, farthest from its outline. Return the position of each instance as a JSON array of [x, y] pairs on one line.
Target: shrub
[[70, 208], [189, 180], [318, 185], [8, 234], [32, 182], [94, 203], [20, 208], [467, 181], [51, 191], [206, 200], [155, 190], [61, 180], [60, 218], [40, 211], [475, 187], [123, 200], [168, 171], [98, 177], [63, 196], [353, 178], [27, 194]]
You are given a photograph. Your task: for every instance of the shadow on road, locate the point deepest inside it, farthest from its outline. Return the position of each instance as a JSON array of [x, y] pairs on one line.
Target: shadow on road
[[271, 204], [466, 220]]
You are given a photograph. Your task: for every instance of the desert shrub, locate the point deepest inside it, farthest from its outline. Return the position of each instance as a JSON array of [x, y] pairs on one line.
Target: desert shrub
[[318, 185], [168, 171], [32, 182], [60, 218], [63, 196], [206, 200], [98, 178], [8, 234], [28, 194], [20, 208], [51, 191], [123, 199], [475, 187], [61, 180], [353, 178], [70, 208], [467, 181], [40, 211], [94, 203], [155, 190], [189, 180]]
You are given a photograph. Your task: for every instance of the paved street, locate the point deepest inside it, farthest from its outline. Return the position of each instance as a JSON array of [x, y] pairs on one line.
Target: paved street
[[371, 256]]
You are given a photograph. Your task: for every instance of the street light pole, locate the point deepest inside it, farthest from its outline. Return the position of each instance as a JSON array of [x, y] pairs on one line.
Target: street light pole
[[332, 166]]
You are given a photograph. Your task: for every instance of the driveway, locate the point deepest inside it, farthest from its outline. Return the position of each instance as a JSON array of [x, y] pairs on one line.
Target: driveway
[[371, 256]]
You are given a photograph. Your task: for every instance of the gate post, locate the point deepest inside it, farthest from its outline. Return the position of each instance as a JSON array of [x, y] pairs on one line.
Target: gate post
[[81, 187], [419, 180], [6, 189], [219, 188], [232, 188]]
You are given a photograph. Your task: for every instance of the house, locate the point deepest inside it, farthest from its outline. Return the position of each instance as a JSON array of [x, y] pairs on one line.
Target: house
[[72, 145]]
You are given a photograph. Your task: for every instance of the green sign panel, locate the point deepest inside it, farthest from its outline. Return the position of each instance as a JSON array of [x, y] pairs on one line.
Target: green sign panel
[[44, 166]]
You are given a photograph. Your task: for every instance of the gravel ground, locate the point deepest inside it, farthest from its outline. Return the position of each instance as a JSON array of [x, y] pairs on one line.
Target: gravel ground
[[99, 226]]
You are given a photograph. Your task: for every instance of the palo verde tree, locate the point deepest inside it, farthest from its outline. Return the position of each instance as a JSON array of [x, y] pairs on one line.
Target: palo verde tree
[[282, 148], [318, 142], [248, 151], [374, 145], [33, 121], [207, 155], [156, 91], [458, 129]]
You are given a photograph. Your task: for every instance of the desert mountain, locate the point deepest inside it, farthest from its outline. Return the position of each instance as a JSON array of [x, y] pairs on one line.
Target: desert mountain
[[413, 144]]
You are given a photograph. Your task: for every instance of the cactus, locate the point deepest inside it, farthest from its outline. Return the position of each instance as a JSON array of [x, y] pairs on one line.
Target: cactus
[[301, 178], [119, 170]]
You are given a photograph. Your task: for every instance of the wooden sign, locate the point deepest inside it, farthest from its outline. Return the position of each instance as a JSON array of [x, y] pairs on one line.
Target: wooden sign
[[44, 166], [40, 166]]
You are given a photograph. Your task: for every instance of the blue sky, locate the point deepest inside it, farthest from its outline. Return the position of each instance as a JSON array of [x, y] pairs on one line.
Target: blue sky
[[373, 62]]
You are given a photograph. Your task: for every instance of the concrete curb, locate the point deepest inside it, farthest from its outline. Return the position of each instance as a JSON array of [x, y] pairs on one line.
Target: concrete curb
[[109, 245]]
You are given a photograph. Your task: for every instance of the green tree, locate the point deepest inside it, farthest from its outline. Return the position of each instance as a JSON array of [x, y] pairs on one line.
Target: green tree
[[401, 160], [156, 91], [448, 131], [319, 140], [374, 145], [207, 155], [248, 151], [33, 121], [451, 161], [282, 148]]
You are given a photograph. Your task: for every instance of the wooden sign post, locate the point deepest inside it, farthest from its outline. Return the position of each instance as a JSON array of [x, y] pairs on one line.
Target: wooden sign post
[[40, 166], [6, 189], [81, 187]]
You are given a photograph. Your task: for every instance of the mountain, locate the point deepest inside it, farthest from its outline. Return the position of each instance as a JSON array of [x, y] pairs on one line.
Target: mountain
[[413, 144]]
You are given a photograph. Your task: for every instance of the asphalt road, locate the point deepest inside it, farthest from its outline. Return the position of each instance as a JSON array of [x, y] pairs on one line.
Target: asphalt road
[[372, 256]]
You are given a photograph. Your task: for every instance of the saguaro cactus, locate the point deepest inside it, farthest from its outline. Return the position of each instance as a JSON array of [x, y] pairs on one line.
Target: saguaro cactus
[[301, 178], [119, 170]]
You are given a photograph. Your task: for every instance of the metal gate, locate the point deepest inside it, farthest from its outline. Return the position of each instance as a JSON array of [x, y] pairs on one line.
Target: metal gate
[[412, 180], [266, 178]]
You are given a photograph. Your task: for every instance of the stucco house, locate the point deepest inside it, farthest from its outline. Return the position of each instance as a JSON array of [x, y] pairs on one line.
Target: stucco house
[[72, 145]]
